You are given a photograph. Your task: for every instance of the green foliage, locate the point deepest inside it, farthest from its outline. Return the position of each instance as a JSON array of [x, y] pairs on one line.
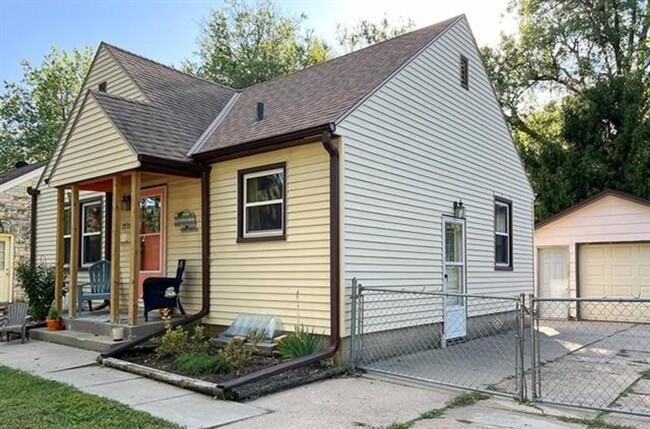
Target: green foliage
[[366, 33], [300, 343], [236, 355], [466, 399], [593, 61], [38, 284], [176, 341], [33, 111], [432, 414], [53, 314], [30, 402], [246, 43], [197, 363]]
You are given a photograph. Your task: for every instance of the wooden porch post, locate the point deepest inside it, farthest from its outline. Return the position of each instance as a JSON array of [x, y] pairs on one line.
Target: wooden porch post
[[135, 247], [115, 249], [74, 250], [60, 248]]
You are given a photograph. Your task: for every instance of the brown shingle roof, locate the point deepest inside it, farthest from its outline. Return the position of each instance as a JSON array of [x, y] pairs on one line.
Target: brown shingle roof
[[182, 107], [10, 175], [317, 95]]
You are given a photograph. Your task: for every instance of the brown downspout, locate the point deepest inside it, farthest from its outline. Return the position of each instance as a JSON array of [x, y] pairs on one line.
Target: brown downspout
[[335, 295], [33, 192], [205, 274]]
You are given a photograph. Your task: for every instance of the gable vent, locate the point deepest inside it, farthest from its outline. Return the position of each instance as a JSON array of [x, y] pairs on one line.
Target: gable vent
[[260, 110], [102, 86]]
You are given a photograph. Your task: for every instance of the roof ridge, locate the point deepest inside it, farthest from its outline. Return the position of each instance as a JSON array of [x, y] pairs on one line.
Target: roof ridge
[[449, 20], [126, 51]]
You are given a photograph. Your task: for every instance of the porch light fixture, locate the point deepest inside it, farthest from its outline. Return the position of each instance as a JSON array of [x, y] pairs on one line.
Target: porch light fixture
[[126, 203], [2, 228], [459, 209]]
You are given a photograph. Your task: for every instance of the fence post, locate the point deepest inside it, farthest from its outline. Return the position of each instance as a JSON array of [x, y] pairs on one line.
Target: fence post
[[353, 326], [534, 348], [521, 315]]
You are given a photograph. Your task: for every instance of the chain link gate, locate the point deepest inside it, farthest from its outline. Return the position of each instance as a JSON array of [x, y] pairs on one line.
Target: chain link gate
[[591, 353], [479, 347]]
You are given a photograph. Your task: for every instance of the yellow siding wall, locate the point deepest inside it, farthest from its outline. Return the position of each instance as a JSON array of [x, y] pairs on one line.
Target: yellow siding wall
[[289, 278], [183, 194], [94, 149], [119, 83]]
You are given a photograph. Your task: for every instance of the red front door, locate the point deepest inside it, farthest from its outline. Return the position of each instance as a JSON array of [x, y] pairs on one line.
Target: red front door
[[153, 204]]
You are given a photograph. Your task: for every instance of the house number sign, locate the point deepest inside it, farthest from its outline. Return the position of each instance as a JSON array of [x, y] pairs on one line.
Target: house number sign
[[186, 220]]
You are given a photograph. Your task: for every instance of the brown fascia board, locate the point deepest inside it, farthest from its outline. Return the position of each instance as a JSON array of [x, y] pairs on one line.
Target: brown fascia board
[[156, 164], [590, 200], [253, 147]]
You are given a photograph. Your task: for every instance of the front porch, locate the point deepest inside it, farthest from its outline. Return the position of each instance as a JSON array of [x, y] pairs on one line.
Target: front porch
[[143, 236]]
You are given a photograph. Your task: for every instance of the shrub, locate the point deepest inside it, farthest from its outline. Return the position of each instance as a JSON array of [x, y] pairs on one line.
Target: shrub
[[235, 355], [197, 363], [176, 341], [53, 313], [38, 284], [300, 343]]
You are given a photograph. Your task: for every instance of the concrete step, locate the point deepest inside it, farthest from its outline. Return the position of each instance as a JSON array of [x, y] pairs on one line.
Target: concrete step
[[81, 340]]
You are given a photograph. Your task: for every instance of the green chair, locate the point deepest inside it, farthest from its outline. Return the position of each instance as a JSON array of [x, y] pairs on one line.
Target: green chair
[[99, 286]]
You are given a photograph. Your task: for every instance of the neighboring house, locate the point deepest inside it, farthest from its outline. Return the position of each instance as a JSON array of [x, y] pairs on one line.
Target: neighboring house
[[598, 248], [15, 224], [279, 194]]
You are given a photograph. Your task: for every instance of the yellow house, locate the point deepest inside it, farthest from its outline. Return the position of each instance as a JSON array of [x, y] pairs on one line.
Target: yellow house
[[278, 195]]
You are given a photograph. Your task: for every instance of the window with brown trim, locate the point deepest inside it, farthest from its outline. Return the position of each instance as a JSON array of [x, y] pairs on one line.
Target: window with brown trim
[[502, 234], [262, 203], [464, 72], [91, 232]]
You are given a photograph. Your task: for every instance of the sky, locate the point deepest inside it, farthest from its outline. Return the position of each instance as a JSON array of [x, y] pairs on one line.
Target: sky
[[168, 30]]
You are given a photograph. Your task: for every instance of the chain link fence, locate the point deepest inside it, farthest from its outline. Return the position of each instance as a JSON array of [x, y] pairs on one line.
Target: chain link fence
[[592, 353], [586, 353], [470, 341]]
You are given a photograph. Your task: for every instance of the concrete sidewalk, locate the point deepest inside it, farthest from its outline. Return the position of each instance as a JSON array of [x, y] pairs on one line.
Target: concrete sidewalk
[[347, 403], [80, 369]]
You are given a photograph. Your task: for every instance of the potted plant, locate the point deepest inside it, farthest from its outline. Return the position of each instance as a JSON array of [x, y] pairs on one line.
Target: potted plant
[[54, 320]]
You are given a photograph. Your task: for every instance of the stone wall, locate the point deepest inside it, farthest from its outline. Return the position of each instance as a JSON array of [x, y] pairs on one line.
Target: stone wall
[[15, 215]]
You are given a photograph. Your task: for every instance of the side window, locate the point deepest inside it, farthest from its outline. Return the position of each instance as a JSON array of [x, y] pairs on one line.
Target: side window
[[262, 201], [91, 233], [502, 234]]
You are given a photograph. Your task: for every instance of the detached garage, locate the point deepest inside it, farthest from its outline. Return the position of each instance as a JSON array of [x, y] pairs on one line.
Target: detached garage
[[597, 248]]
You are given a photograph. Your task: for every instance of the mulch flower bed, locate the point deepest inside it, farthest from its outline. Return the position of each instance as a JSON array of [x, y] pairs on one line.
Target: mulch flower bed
[[286, 380]]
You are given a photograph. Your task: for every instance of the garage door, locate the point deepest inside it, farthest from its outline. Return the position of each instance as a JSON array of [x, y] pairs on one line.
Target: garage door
[[613, 271]]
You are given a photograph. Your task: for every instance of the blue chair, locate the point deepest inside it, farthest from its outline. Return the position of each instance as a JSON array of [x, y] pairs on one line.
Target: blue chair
[[99, 286], [163, 292]]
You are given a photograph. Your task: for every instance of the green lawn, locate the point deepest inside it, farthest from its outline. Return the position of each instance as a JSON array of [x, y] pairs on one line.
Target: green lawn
[[29, 402]]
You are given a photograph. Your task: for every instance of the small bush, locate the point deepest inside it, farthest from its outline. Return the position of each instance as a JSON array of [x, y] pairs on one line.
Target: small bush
[[235, 355], [176, 341], [197, 363], [53, 314], [300, 343], [38, 284]]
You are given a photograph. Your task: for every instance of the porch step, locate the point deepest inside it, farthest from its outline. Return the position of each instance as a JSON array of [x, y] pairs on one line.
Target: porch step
[[80, 340], [100, 326]]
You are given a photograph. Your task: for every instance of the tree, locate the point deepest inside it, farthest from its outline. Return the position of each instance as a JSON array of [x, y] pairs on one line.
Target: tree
[[592, 58], [33, 111], [366, 33], [247, 43]]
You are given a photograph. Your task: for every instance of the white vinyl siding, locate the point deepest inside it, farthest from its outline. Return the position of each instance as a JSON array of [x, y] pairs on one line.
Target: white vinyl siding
[[412, 149], [104, 69]]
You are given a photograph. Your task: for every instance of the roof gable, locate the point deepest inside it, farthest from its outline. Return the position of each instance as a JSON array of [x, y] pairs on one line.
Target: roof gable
[[10, 178], [318, 95], [589, 202]]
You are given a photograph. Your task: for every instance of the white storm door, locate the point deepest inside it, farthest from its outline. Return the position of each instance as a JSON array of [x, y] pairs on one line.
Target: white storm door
[[455, 320], [553, 281]]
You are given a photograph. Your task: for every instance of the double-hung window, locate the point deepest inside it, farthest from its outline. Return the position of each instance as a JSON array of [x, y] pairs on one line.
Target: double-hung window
[[262, 203], [90, 233], [502, 234]]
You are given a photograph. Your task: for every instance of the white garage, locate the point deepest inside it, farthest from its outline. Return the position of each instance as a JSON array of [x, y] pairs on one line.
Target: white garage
[[595, 249]]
